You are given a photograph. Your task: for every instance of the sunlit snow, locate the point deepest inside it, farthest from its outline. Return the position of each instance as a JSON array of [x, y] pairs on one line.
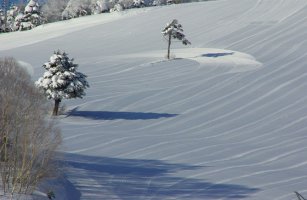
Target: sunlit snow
[[225, 118]]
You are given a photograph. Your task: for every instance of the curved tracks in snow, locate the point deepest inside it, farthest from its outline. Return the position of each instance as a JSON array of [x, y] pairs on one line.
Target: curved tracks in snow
[[248, 125], [211, 124]]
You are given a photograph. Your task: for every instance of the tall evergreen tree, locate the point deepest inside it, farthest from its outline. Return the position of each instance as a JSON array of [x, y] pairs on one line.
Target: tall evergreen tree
[[11, 15], [174, 30], [62, 81]]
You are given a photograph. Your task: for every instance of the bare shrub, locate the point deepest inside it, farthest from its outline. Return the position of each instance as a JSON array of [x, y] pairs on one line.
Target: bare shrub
[[28, 139], [52, 9]]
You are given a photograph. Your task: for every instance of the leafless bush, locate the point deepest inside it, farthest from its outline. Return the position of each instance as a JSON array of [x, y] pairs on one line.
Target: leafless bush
[[28, 139], [52, 9]]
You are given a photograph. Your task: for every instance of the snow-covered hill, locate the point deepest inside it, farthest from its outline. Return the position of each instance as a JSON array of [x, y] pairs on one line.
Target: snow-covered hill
[[225, 119]]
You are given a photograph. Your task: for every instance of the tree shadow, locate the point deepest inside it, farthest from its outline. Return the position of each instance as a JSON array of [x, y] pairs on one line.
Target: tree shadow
[[215, 55], [133, 179], [107, 115]]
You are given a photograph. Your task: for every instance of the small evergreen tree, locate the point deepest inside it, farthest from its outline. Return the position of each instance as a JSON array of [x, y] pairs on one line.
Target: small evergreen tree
[[62, 81], [174, 30]]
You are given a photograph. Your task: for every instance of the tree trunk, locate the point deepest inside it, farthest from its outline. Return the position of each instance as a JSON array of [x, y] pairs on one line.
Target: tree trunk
[[169, 46], [56, 107]]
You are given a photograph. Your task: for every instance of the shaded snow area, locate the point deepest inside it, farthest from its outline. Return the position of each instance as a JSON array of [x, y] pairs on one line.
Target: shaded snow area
[[226, 118], [28, 67]]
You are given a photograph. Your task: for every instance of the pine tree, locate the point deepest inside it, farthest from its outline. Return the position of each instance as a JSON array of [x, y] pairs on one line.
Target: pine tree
[[62, 81], [11, 15], [174, 30], [118, 7], [30, 18], [100, 6], [138, 3]]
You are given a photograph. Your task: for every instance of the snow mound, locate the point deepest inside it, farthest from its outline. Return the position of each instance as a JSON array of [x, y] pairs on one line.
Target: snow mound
[[235, 61]]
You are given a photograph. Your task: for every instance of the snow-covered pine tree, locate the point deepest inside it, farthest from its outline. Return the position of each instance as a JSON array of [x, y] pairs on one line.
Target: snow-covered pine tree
[[100, 6], [32, 7], [30, 18], [174, 30], [62, 81], [118, 7], [138, 3], [11, 15]]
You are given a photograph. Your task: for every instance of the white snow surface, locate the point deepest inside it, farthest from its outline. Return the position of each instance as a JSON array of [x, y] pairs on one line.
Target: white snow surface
[[27, 66], [225, 119]]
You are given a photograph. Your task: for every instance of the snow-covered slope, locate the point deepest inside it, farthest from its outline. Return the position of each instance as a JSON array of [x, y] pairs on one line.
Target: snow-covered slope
[[226, 119]]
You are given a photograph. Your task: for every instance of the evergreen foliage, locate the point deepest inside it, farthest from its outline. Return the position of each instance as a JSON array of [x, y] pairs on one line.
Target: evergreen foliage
[[61, 80], [26, 17], [11, 15], [117, 8], [138, 3], [174, 30], [30, 18], [100, 6]]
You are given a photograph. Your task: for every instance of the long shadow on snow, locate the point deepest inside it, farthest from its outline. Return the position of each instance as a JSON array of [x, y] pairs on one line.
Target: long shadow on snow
[[106, 115], [133, 179], [215, 55]]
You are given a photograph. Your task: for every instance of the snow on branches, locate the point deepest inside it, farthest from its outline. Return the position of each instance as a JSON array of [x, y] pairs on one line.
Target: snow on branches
[[30, 18], [61, 80], [174, 30]]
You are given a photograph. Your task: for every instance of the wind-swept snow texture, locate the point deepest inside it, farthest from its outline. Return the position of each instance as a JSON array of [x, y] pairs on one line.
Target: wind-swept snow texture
[[225, 119]]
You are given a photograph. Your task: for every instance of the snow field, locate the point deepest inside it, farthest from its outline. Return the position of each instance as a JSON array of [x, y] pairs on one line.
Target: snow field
[[225, 119]]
